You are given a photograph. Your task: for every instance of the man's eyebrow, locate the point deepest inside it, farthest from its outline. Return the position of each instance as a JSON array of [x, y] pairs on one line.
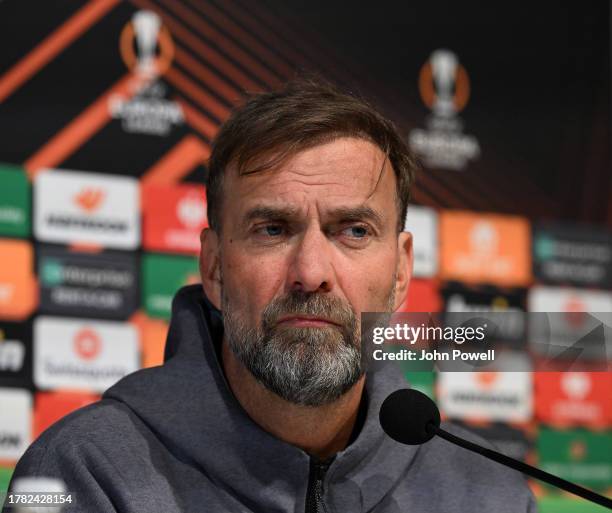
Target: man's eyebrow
[[343, 214], [269, 213], [357, 214]]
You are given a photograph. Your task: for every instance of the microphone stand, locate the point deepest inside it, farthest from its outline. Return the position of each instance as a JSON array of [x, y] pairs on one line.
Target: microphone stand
[[522, 467]]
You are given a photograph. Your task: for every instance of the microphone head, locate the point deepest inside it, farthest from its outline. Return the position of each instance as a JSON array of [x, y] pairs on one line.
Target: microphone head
[[405, 415]]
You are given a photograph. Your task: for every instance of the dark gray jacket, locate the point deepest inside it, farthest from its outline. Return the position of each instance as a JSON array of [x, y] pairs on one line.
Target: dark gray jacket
[[174, 439]]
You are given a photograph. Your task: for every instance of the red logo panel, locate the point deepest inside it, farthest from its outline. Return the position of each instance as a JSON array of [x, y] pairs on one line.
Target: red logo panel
[[174, 216], [574, 398]]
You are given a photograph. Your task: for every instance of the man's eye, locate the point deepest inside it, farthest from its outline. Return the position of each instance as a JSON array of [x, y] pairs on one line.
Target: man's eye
[[270, 230], [357, 232]]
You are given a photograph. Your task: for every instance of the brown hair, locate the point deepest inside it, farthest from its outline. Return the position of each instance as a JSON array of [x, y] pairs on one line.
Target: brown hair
[[272, 126]]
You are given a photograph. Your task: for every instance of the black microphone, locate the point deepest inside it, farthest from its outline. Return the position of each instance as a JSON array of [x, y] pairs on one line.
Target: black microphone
[[410, 417]]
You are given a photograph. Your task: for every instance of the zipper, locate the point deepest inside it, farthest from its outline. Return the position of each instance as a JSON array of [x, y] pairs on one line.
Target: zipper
[[314, 493]]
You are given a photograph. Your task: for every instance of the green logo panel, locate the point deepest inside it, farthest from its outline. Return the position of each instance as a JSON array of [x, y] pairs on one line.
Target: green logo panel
[[162, 276], [578, 455], [14, 201], [568, 505], [5, 477]]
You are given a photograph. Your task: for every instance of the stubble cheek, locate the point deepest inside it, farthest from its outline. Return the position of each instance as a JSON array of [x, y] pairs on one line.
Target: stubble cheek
[[251, 287], [378, 292]]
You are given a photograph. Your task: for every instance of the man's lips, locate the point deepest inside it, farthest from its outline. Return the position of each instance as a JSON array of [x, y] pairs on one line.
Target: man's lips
[[301, 321]]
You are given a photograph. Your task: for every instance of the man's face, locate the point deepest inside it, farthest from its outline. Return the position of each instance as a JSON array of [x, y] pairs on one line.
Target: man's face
[[305, 249]]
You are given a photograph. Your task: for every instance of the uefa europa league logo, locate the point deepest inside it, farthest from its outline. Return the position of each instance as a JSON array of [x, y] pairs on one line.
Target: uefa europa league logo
[[146, 45], [444, 84], [444, 87]]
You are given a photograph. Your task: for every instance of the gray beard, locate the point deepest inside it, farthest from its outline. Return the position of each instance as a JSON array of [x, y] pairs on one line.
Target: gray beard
[[308, 366]]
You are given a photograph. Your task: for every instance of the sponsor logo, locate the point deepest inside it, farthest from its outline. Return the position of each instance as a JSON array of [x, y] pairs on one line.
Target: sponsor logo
[[87, 344], [574, 312], [174, 216], [578, 450], [12, 355], [91, 355], [576, 385], [15, 429], [94, 285], [510, 327], [55, 274], [149, 112], [90, 208], [162, 276], [573, 398], [582, 323], [10, 441], [568, 300], [490, 249], [422, 222], [89, 199], [147, 49], [14, 202], [484, 239], [547, 248], [191, 210], [146, 45], [490, 396], [577, 455], [571, 255], [18, 289], [486, 379], [444, 86], [10, 215], [66, 222]]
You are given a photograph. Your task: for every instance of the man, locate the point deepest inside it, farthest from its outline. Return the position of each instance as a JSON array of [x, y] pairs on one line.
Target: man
[[264, 403]]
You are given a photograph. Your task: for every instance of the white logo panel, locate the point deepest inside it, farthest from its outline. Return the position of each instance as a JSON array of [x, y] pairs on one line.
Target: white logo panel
[[422, 222], [561, 299], [84, 354], [15, 422], [490, 396], [89, 208]]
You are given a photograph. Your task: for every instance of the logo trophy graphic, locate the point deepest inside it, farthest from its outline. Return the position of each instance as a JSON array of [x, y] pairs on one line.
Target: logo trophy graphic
[[146, 26], [146, 45], [444, 69]]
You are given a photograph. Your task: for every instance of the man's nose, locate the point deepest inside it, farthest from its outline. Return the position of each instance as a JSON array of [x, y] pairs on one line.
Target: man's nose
[[311, 268]]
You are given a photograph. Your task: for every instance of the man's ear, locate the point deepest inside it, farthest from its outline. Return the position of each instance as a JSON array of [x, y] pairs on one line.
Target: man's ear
[[404, 268], [210, 266]]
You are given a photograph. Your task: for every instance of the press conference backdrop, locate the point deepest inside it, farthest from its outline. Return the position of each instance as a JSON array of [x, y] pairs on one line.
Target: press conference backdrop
[[107, 112]]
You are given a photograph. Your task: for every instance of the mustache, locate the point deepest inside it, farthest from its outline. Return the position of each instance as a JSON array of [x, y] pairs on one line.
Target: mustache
[[308, 303]]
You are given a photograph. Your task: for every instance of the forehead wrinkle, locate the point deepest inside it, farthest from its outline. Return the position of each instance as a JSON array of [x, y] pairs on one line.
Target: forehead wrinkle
[[312, 165], [292, 212], [308, 184]]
